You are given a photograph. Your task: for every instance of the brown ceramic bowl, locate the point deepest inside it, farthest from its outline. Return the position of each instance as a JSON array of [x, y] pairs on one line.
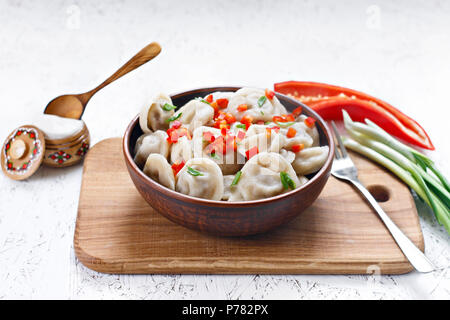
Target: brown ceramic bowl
[[221, 217]]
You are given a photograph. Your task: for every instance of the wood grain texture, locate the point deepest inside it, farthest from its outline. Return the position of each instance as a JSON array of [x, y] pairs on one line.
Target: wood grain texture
[[118, 232]]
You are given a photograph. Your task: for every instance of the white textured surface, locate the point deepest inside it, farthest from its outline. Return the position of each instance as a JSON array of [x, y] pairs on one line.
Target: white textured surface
[[397, 51]]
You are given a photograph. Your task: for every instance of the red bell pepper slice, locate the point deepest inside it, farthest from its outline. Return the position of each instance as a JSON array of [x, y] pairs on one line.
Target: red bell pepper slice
[[392, 120]]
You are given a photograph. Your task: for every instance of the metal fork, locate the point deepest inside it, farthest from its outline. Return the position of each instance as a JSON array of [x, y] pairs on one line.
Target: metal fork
[[344, 169]]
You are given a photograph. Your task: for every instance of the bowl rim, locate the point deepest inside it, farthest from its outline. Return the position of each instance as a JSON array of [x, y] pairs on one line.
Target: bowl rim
[[220, 203]]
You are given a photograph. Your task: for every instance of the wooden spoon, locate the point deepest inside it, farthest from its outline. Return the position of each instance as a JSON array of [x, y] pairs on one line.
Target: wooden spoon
[[73, 105]]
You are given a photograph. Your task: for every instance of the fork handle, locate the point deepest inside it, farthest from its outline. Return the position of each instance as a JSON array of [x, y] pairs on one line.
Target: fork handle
[[416, 257]]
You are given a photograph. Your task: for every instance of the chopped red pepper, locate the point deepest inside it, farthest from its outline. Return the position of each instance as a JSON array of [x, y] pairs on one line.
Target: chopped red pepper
[[176, 124], [209, 98], [240, 135], [215, 106], [298, 147], [269, 94], [247, 120], [297, 112], [328, 101], [175, 133], [310, 122], [278, 119], [221, 115], [260, 122], [268, 133], [276, 129], [230, 118], [291, 132], [242, 107], [208, 136], [176, 167], [223, 131], [223, 103], [251, 152]]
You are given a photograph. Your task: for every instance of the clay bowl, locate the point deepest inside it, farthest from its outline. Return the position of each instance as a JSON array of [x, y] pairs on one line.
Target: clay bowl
[[221, 217], [68, 151]]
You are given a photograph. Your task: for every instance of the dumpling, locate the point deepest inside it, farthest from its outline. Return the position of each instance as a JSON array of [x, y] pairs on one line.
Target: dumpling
[[261, 177], [181, 150], [195, 114], [154, 117], [148, 143], [229, 163], [310, 160], [227, 180], [250, 97], [312, 132], [201, 178], [157, 168]]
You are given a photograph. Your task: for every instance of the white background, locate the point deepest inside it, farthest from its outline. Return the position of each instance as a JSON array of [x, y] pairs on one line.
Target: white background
[[398, 51]]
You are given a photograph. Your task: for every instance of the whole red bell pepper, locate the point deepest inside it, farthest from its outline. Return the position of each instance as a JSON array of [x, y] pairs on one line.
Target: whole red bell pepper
[[329, 100]]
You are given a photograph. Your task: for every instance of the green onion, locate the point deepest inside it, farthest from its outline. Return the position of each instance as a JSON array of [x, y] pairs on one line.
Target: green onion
[[408, 164], [287, 181], [262, 113], [214, 156], [168, 107], [203, 100], [174, 117], [284, 124], [194, 172], [261, 101], [241, 126], [417, 156], [236, 178]]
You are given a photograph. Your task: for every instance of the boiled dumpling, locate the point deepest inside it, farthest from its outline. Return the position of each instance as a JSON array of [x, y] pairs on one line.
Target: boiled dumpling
[[261, 177], [265, 110], [201, 178], [181, 150], [229, 163], [195, 114], [157, 168], [310, 160], [148, 143], [154, 116]]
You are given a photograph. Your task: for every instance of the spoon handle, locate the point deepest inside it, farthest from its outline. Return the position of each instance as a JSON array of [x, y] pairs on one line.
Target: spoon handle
[[143, 56]]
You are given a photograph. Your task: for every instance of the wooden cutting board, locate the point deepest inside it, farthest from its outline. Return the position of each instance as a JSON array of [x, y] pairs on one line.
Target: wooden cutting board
[[118, 232]]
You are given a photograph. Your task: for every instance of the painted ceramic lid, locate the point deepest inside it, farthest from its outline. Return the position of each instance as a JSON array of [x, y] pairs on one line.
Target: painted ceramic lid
[[23, 152]]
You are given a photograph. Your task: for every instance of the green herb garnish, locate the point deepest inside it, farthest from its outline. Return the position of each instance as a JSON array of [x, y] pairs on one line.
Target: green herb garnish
[[203, 100], [236, 178], [194, 172], [284, 124], [168, 107], [261, 101], [287, 181], [174, 117], [214, 156], [241, 126]]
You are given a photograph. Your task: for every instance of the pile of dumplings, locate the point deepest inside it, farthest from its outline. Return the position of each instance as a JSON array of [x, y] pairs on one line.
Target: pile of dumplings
[[229, 146]]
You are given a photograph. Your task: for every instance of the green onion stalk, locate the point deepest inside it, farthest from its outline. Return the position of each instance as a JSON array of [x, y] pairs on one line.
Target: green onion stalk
[[406, 163]]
